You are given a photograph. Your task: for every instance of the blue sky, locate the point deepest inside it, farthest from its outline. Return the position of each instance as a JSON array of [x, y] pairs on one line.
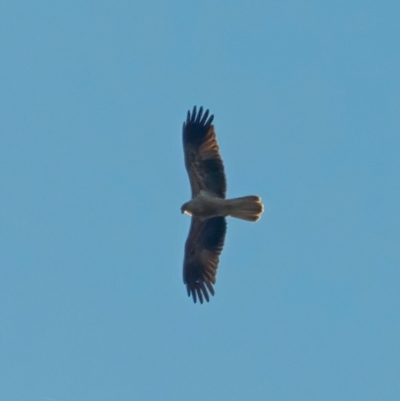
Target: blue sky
[[306, 98]]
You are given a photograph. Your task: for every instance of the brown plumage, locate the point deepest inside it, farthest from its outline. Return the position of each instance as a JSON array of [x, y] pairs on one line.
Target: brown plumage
[[208, 206]]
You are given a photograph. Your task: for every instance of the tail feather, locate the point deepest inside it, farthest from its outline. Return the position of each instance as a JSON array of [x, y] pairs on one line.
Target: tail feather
[[247, 208]]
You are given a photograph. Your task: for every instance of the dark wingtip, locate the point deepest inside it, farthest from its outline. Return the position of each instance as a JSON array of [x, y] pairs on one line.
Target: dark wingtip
[[199, 117], [194, 112], [204, 119], [199, 114], [199, 292], [205, 293], [210, 288]]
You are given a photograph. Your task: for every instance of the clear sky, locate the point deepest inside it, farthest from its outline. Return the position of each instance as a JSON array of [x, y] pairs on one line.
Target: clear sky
[[306, 98]]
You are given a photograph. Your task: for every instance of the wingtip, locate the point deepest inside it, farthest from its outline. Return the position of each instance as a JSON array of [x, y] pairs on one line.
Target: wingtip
[[199, 114], [200, 293], [199, 117]]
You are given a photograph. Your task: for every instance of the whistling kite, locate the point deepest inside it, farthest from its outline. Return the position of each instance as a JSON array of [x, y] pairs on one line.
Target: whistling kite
[[208, 206]]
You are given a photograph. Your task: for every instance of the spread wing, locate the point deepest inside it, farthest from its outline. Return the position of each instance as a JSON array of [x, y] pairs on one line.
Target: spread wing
[[202, 159], [203, 247]]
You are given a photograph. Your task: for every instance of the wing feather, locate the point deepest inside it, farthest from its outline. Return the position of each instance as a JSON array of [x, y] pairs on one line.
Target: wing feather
[[202, 158], [203, 247]]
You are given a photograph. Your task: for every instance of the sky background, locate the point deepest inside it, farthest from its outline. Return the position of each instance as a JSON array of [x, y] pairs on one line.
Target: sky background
[[306, 98]]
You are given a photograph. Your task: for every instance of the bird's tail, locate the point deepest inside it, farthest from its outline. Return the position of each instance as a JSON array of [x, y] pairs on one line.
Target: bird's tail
[[247, 208]]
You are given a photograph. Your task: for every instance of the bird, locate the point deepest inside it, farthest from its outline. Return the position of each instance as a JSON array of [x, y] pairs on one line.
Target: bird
[[208, 206]]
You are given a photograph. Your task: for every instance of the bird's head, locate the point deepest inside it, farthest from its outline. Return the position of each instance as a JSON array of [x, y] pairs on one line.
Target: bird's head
[[185, 209]]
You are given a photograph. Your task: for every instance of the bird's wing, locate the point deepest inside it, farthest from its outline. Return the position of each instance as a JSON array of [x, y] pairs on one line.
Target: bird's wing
[[203, 247], [202, 159]]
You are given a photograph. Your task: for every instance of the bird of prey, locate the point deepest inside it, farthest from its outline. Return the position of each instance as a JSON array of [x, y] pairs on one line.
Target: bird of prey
[[208, 206]]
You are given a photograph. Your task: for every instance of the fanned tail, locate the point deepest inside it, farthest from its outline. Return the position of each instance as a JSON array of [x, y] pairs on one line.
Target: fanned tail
[[247, 208]]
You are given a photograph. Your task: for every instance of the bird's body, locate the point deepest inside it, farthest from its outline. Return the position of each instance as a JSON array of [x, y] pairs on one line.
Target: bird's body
[[208, 206], [205, 205]]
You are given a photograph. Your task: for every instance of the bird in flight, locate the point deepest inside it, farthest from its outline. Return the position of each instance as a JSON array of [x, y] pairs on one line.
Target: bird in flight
[[208, 206]]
